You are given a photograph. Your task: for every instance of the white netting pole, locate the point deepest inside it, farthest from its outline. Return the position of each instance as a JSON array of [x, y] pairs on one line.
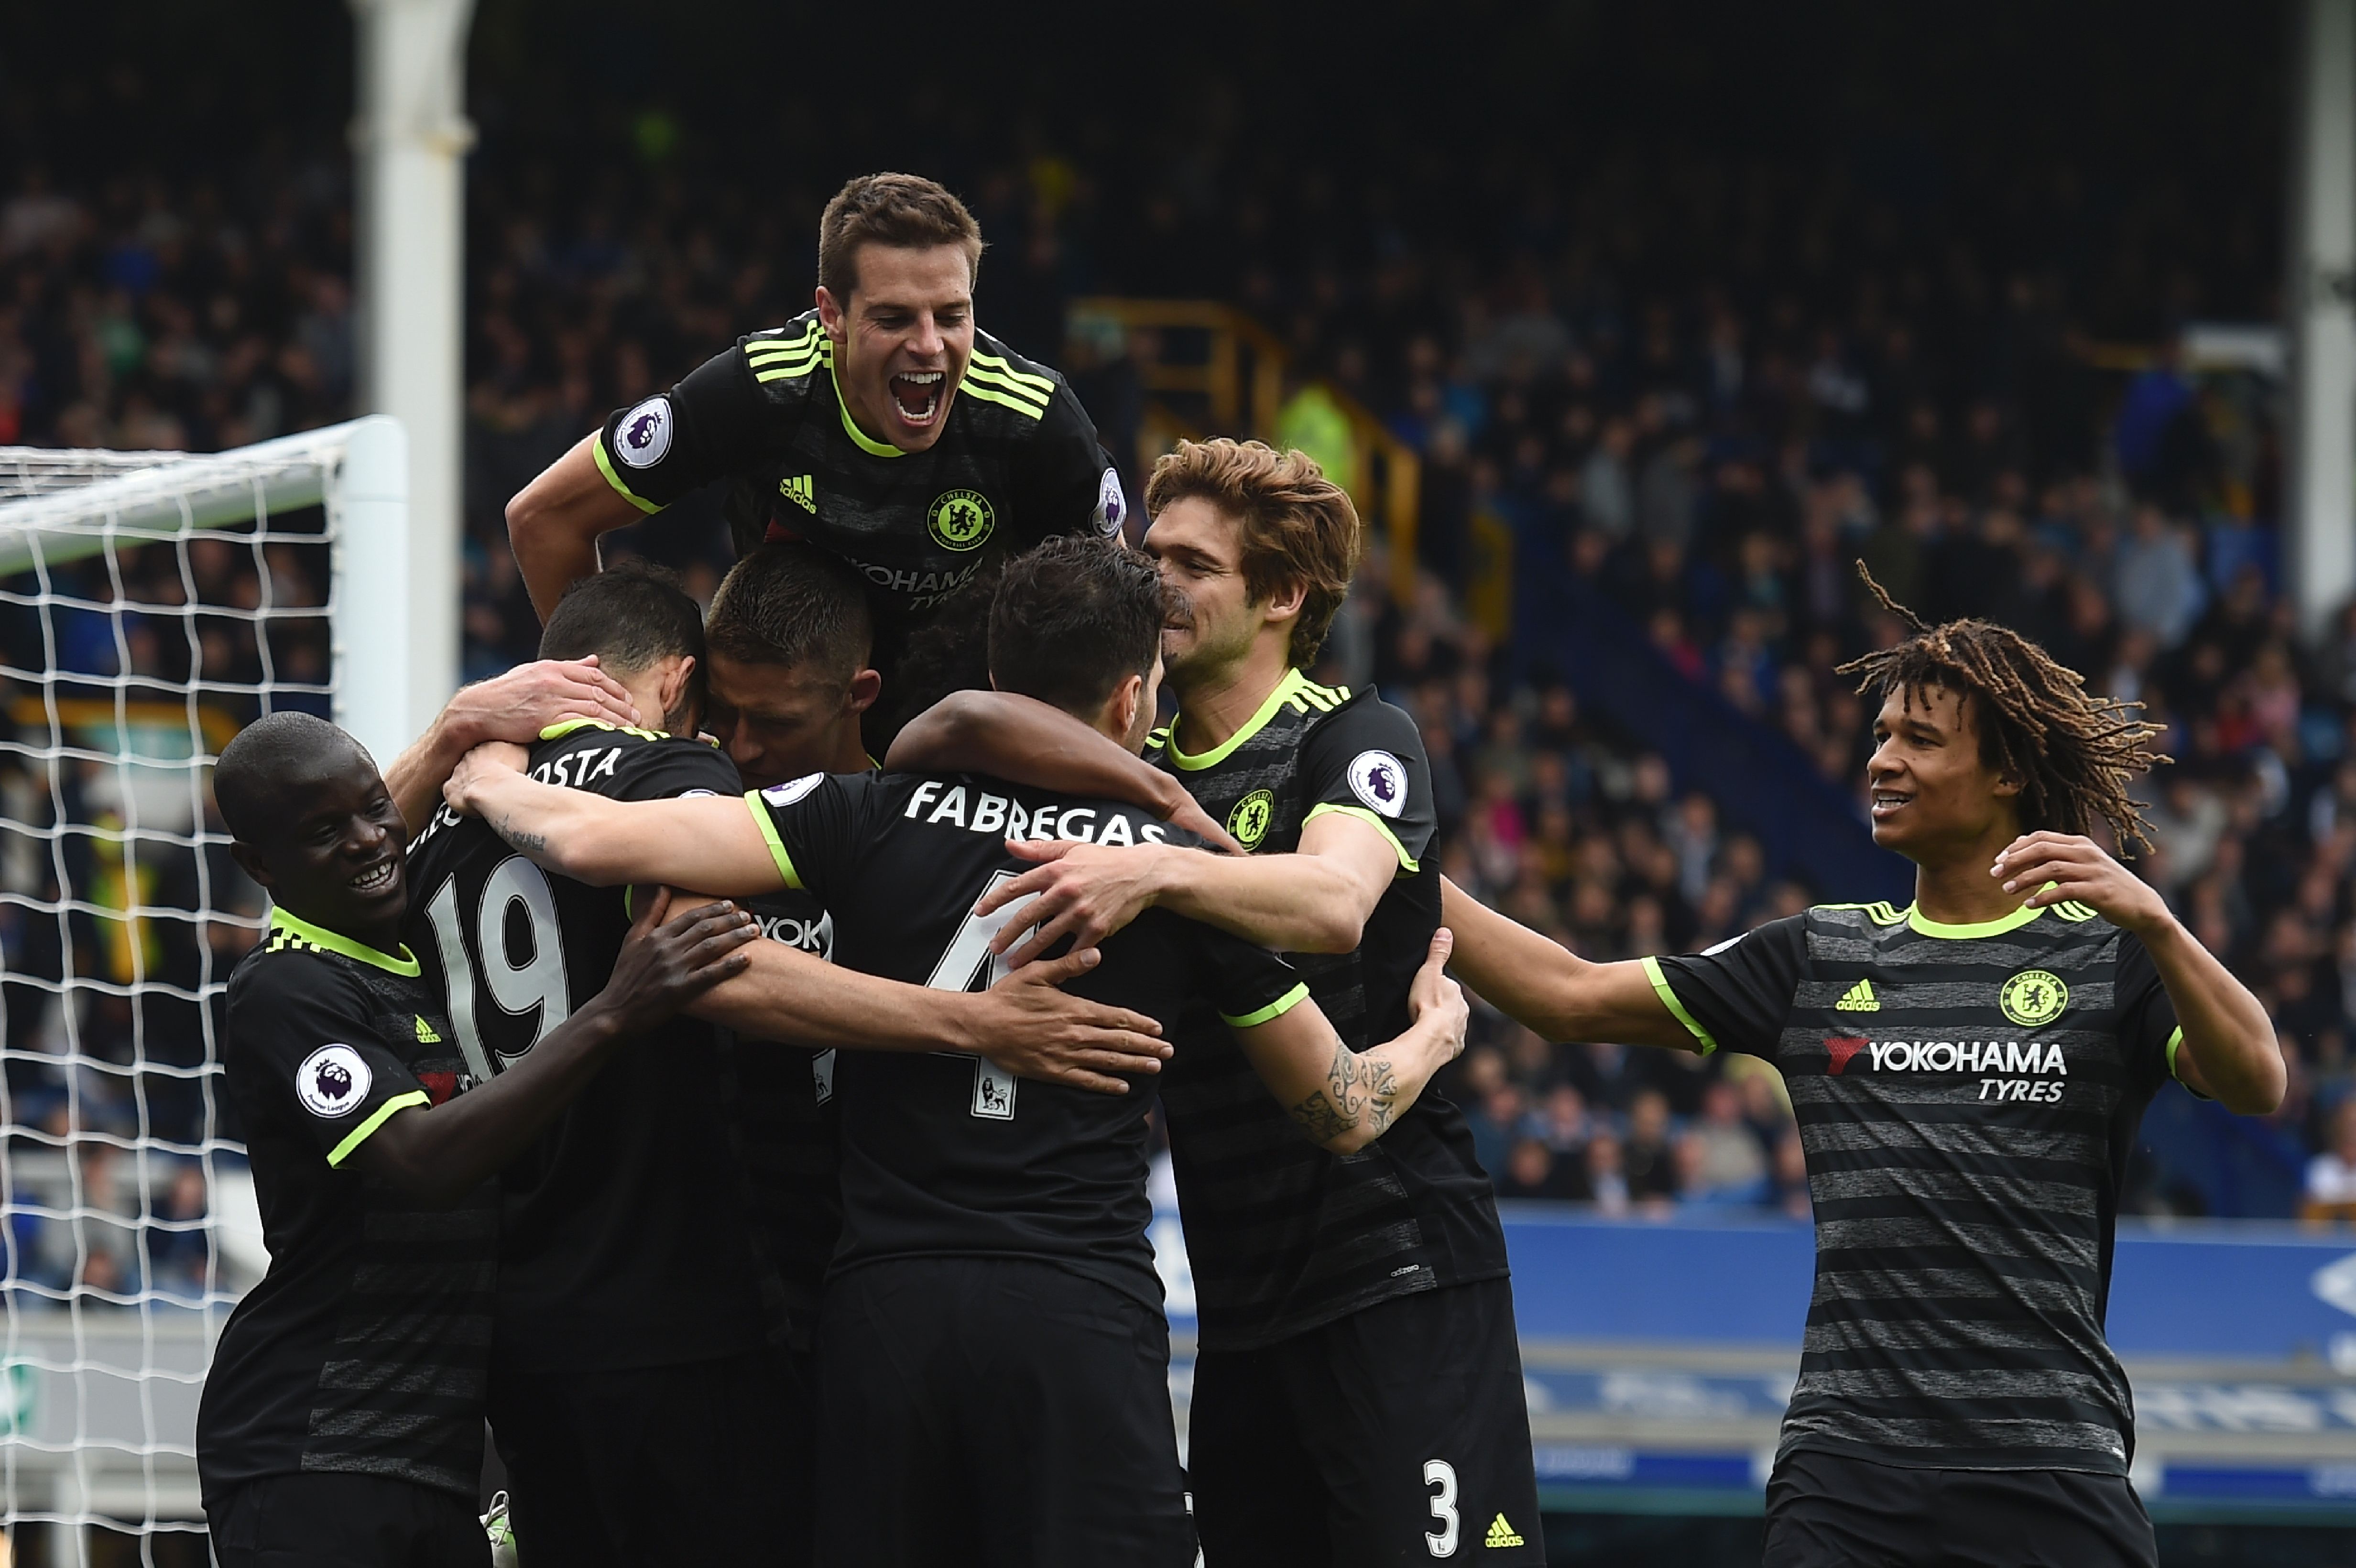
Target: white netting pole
[[386, 692]]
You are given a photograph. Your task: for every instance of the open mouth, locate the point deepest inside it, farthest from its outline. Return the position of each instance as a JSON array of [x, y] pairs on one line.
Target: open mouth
[[917, 396], [1886, 802], [377, 878]]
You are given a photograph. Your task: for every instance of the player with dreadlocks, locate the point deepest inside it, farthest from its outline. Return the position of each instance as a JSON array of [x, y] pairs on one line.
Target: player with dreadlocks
[[1968, 1073]]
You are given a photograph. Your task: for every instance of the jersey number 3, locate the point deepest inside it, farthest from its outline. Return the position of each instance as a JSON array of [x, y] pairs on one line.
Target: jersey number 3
[[968, 964], [537, 984]]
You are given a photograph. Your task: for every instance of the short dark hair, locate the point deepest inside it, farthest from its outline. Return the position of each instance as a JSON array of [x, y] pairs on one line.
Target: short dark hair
[[632, 617], [796, 606], [251, 781], [1072, 620], [901, 211]]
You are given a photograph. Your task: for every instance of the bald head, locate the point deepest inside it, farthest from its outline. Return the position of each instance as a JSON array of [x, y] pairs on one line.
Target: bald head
[[272, 764]]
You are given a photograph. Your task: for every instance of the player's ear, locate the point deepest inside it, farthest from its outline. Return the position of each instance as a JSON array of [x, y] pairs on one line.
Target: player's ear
[[1285, 600], [671, 695], [831, 312], [249, 861], [1126, 696], [865, 688]]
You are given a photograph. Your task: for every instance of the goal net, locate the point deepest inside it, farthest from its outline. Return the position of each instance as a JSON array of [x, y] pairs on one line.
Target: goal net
[[151, 604]]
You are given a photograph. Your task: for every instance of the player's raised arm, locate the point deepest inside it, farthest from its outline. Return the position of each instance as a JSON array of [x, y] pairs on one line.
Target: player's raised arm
[[2228, 1050], [554, 522], [1551, 990], [709, 842], [1345, 1099]]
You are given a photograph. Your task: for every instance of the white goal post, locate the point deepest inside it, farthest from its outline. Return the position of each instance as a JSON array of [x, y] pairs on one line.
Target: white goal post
[[150, 604]]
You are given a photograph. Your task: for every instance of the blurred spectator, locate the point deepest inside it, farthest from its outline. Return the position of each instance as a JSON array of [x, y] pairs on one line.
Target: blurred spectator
[[2331, 1175], [1730, 1165], [1648, 1160]]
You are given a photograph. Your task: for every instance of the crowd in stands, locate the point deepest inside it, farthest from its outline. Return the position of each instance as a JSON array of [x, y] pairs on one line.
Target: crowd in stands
[[2000, 433]]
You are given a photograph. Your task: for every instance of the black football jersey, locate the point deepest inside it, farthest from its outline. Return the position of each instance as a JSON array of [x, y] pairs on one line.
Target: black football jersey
[[1968, 1098], [945, 1155], [1017, 461], [783, 1094], [638, 1184], [364, 1348], [1284, 1235]]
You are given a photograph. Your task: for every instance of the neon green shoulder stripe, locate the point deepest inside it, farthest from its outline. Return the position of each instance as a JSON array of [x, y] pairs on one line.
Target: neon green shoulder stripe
[[1668, 996], [997, 379], [1275, 1010], [1285, 688], [971, 389], [1022, 378], [605, 466]]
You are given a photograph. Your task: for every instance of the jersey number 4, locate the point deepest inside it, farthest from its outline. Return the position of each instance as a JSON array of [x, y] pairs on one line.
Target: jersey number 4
[[968, 964], [535, 986]]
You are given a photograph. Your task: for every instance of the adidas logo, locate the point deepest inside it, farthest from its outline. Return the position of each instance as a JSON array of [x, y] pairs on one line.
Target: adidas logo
[[425, 1035], [799, 491], [1858, 999], [1501, 1533]]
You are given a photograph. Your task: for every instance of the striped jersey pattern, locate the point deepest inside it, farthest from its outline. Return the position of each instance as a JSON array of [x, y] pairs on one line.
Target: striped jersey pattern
[[365, 1348], [1968, 1098], [1284, 1236]]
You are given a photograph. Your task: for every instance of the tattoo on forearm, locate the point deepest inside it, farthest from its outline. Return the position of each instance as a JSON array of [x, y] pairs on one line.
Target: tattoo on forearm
[[529, 843], [1320, 1120], [1382, 1092]]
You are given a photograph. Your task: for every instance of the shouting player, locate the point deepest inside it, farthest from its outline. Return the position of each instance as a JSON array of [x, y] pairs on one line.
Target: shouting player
[[342, 1419], [993, 1358], [1383, 1273], [881, 425], [1968, 1073]]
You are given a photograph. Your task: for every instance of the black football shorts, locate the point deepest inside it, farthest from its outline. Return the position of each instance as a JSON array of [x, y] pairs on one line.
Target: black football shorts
[[1829, 1510], [1398, 1434]]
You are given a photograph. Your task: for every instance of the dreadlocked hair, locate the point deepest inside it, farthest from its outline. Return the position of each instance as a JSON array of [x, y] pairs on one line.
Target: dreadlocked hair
[[2074, 752]]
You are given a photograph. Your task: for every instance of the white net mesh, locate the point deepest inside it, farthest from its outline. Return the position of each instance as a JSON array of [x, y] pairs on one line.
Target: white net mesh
[[150, 606]]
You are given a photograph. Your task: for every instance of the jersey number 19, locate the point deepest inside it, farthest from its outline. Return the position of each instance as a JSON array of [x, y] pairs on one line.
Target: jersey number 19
[[536, 985]]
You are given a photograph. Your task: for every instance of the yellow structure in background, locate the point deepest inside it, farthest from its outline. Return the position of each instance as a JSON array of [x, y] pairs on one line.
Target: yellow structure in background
[[1208, 369]]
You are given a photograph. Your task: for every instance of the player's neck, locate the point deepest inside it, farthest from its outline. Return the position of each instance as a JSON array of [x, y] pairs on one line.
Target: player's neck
[[849, 750], [1210, 710], [646, 695], [1954, 887]]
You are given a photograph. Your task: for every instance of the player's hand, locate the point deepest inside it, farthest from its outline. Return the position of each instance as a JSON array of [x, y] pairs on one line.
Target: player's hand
[[485, 763], [1084, 893], [529, 698], [1033, 1030], [1433, 995], [2059, 866], [664, 964], [1190, 817]]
